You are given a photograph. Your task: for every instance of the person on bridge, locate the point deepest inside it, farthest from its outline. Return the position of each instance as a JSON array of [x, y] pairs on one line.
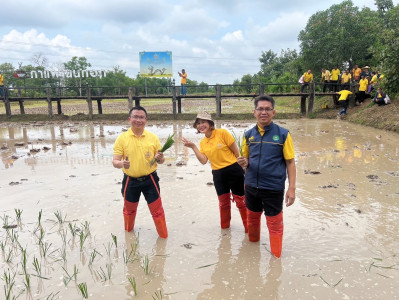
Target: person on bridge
[[133, 152], [346, 79], [219, 147], [307, 78], [335, 73], [325, 79], [268, 156], [183, 76], [1, 85]]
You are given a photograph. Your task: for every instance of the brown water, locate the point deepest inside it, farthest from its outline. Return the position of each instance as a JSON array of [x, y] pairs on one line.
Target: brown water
[[340, 239]]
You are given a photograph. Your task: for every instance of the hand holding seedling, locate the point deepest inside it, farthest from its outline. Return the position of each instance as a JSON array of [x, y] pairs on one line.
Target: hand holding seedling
[[126, 163]]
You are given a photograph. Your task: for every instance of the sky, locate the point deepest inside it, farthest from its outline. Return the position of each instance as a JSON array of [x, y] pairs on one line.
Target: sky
[[215, 41]]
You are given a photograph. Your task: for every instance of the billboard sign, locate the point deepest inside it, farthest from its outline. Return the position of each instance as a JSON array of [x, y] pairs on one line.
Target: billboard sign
[[156, 64]]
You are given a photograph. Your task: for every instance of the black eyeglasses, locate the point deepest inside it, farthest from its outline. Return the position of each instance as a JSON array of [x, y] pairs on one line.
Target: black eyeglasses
[[261, 109]]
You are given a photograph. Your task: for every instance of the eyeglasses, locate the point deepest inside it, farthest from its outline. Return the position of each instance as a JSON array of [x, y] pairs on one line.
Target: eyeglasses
[[138, 117], [261, 109]]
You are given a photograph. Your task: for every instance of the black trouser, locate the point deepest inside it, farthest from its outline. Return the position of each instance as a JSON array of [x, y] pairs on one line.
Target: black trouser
[[334, 85], [360, 96], [271, 202], [230, 178]]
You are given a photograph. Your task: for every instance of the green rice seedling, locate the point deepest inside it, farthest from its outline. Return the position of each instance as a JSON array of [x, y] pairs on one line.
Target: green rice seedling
[[109, 270], [72, 229], [102, 275], [37, 266], [75, 272], [66, 278], [27, 281], [115, 239], [2, 245], [64, 234], [92, 257], [64, 255], [9, 280], [52, 296], [146, 265], [82, 239], [169, 142], [83, 289], [24, 260], [39, 218], [86, 228], [5, 221], [132, 281], [108, 249], [158, 295], [18, 213], [60, 218], [9, 256], [239, 140], [44, 248]]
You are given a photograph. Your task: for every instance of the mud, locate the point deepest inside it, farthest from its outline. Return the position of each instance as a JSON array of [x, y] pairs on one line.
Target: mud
[[340, 236]]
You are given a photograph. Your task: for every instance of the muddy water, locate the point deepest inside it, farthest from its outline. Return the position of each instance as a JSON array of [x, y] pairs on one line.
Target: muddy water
[[340, 238]]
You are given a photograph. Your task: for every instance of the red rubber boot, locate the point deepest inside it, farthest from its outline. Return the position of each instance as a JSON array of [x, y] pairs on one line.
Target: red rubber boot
[[225, 210], [129, 214], [240, 203], [253, 224], [158, 215], [276, 228]]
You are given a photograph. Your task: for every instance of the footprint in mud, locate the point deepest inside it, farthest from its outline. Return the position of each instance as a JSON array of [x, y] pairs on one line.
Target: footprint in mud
[[311, 172]]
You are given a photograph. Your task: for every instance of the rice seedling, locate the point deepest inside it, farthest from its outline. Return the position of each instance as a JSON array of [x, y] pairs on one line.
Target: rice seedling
[[105, 276], [18, 213], [60, 218], [115, 239], [92, 257], [108, 249], [72, 229], [129, 257], [146, 265], [239, 140], [83, 289], [27, 281], [9, 280], [331, 285], [158, 295], [169, 142], [37, 266], [9, 256], [5, 221], [24, 260], [39, 218], [75, 272], [44, 248], [52, 296], [64, 255], [82, 238], [132, 281], [67, 278], [86, 228], [63, 234], [2, 246]]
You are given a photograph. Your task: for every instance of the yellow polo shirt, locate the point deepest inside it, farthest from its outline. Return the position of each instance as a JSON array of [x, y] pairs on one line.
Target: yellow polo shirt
[[139, 150], [307, 77], [326, 75], [345, 78], [1, 79], [374, 79], [184, 78], [344, 95], [217, 149], [356, 73], [363, 83], [335, 74]]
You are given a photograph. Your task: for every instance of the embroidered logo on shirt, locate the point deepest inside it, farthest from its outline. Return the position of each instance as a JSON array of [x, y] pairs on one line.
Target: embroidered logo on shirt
[[220, 145], [251, 138], [276, 138], [147, 154]]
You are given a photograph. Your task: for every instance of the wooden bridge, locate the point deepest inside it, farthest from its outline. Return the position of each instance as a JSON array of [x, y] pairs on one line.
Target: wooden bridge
[[136, 94]]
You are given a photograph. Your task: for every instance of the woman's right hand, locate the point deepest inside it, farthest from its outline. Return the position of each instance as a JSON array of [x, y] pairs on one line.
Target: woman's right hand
[[187, 143]]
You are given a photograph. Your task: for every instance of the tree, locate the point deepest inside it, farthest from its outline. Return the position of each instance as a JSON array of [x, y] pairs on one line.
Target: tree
[[76, 64], [339, 35], [388, 53]]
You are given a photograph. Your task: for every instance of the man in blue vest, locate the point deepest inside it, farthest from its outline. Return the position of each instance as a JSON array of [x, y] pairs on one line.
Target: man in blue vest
[[268, 156]]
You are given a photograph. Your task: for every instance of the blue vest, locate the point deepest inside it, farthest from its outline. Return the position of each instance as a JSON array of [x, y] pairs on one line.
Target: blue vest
[[267, 168]]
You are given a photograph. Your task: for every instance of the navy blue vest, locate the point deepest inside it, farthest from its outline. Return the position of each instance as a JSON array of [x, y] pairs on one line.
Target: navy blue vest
[[267, 168]]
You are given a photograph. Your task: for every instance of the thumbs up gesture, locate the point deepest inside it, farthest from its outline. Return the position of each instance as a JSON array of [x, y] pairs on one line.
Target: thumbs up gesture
[[126, 163]]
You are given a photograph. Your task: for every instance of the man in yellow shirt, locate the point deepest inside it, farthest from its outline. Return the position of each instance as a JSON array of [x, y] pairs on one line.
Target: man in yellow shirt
[[1, 85], [325, 79], [356, 72], [335, 77], [183, 76], [344, 100], [346, 80], [133, 152], [361, 94], [307, 78]]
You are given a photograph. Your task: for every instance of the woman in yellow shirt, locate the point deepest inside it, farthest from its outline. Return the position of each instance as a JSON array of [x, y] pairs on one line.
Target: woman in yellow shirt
[[361, 95], [219, 147]]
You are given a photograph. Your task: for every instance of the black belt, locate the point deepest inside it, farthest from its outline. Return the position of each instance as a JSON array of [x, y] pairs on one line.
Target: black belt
[[143, 178]]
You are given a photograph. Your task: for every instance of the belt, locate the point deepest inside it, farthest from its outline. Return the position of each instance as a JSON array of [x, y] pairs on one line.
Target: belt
[[142, 178]]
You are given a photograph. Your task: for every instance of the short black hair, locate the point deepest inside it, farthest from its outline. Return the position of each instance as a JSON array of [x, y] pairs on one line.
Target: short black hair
[[264, 98], [138, 108]]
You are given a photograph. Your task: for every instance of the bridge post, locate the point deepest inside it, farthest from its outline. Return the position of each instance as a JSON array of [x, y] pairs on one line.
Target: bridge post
[[89, 102], [49, 104], [137, 98], [261, 89], [7, 102], [218, 100], [311, 97], [174, 100], [21, 102], [58, 93], [130, 98], [303, 105]]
